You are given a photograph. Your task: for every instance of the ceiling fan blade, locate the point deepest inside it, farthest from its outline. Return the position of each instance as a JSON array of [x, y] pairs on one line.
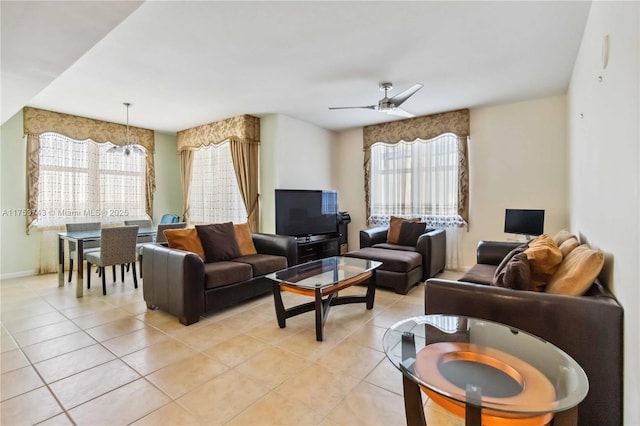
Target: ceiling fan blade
[[366, 107], [398, 99], [400, 113]]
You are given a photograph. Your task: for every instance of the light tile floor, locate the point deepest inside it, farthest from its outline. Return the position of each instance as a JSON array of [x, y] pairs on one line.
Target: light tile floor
[[108, 360]]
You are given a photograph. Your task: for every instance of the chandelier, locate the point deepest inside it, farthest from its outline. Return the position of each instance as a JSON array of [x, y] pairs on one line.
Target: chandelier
[[131, 145]]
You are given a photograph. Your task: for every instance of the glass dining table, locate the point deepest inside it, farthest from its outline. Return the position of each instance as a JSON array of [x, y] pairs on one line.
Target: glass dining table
[[80, 237]]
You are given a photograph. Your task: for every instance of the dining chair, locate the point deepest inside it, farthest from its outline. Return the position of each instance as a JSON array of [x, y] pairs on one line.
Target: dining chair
[[117, 247], [160, 238], [88, 246], [170, 218], [146, 224]]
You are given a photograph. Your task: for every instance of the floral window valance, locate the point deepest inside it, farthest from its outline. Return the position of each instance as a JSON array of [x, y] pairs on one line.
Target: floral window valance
[[243, 128], [425, 127], [38, 121]]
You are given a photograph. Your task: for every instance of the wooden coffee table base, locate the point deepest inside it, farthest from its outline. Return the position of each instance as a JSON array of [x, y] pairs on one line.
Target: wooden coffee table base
[[324, 299]]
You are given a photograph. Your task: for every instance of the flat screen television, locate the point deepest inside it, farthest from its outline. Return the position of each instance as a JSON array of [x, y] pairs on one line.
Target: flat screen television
[[302, 213], [524, 221]]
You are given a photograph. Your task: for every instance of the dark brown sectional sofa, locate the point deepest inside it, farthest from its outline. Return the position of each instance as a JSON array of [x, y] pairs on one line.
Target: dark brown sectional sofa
[[181, 283], [589, 328]]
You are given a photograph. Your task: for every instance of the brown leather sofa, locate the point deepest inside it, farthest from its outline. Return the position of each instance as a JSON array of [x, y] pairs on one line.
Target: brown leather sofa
[[181, 283], [589, 328], [403, 266]]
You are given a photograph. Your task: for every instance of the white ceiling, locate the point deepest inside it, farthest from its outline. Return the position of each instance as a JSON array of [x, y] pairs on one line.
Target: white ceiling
[[182, 64]]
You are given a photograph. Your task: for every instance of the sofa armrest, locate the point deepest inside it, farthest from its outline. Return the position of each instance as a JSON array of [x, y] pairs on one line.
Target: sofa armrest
[[492, 252], [174, 282], [432, 245], [277, 245], [372, 236], [588, 328]]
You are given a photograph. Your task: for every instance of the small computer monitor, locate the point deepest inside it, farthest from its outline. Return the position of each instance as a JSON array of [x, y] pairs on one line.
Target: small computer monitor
[[524, 221]]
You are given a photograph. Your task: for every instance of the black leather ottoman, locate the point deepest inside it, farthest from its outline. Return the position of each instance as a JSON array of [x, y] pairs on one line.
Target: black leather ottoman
[[400, 269]]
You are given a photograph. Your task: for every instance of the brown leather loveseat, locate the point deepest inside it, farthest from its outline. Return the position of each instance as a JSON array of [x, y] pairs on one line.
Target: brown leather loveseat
[[183, 284], [589, 327]]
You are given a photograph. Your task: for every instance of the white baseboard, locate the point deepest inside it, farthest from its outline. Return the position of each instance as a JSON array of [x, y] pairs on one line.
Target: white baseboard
[[19, 274]]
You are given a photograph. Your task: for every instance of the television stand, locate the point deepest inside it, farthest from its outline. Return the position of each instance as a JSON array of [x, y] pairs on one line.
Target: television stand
[[314, 247]]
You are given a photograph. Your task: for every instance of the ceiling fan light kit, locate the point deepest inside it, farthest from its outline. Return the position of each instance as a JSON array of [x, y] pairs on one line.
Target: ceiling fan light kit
[[391, 105], [130, 146]]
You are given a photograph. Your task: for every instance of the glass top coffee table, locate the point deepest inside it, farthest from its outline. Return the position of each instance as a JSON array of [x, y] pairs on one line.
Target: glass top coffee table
[[323, 279], [487, 372]]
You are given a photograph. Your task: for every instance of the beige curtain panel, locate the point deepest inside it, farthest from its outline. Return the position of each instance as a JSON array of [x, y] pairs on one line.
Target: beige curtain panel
[[186, 166], [38, 121], [243, 133], [425, 127]]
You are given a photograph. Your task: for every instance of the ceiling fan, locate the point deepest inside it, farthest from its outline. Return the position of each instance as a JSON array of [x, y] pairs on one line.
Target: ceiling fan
[[391, 105]]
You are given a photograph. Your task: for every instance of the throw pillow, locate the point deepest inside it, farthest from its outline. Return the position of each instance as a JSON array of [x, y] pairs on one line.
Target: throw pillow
[[410, 232], [516, 274], [218, 241], [521, 248], [568, 245], [395, 223], [544, 257], [562, 236], [184, 239], [577, 272], [244, 239]]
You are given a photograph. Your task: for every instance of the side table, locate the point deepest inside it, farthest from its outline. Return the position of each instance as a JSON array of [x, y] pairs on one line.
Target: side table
[[486, 372]]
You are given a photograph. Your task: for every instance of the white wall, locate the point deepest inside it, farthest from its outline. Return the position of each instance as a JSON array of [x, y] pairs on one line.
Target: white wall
[[168, 195], [349, 172], [517, 159], [269, 172], [19, 252], [293, 155], [604, 139]]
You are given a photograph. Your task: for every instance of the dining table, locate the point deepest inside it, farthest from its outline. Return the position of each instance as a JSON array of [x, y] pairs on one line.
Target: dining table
[[80, 237]]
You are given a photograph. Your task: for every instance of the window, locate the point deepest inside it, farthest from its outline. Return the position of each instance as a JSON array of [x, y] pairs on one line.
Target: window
[[416, 179], [214, 196], [79, 182]]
